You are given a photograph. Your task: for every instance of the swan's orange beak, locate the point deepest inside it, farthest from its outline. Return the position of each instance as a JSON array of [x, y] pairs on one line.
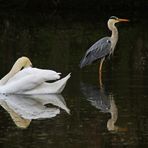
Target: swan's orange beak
[[123, 20]]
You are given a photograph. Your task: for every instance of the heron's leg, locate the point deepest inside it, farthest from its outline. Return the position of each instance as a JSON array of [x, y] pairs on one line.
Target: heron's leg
[[100, 72], [100, 80], [101, 63]]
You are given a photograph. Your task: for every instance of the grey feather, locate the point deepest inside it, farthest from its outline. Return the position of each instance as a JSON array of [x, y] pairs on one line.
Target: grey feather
[[97, 51]]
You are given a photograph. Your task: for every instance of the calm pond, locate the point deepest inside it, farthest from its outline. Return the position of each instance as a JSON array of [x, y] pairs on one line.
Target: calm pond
[[114, 115]]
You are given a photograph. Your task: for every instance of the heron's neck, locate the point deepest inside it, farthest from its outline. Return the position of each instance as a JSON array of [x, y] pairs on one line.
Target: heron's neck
[[114, 31], [114, 115], [114, 35]]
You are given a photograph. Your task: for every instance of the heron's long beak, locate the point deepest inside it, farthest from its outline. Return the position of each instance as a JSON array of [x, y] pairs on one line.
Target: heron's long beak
[[123, 20]]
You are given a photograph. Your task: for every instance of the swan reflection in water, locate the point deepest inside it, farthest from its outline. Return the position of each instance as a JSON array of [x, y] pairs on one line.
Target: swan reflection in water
[[104, 102], [24, 108]]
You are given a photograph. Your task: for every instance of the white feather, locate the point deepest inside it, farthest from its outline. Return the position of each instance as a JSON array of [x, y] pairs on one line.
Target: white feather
[[52, 75], [49, 88], [24, 108], [31, 80]]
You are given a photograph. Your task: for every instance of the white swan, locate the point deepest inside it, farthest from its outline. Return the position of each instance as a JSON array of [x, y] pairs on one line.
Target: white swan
[[31, 80], [24, 108]]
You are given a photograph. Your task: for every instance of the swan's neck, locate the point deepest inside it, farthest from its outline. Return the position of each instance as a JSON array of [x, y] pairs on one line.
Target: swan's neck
[[12, 72], [19, 64]]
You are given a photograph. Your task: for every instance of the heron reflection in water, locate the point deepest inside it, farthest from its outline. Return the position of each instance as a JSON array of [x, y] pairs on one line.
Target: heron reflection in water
[[104, 102], [24, 108], [103, 47]]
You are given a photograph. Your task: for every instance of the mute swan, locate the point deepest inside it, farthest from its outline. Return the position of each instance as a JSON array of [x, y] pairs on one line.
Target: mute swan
[[31, 80], [24, 108]]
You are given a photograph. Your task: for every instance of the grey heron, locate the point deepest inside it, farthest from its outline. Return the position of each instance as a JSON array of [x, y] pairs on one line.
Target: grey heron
[[103, 47]]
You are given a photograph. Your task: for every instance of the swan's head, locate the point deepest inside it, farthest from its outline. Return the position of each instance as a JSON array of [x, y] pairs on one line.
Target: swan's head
[[24, 62]]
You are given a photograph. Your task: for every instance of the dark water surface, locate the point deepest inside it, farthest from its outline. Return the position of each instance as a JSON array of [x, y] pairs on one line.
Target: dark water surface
[[115, 115]]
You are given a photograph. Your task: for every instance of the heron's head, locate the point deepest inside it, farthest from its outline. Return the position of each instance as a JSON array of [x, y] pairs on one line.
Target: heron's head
[[113, 20]]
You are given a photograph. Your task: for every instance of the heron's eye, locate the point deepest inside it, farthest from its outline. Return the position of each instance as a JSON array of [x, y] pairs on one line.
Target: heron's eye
[[108, 41]]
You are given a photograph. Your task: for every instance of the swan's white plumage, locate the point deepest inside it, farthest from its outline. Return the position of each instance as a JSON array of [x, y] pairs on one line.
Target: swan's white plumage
[[31, 80], [24, 108], [22, 62], [50, 88], [52, 75]]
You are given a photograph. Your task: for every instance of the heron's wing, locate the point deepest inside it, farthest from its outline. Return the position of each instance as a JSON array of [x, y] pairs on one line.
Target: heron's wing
[[98, 50], [97, 97]]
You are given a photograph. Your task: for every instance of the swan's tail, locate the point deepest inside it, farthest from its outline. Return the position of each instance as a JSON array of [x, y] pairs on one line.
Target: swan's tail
[[60, 84], [50, 88]]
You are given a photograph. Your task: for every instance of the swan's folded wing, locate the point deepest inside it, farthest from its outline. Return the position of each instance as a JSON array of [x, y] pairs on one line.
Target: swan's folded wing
[[52, 75], [28, 108], [19, 86], [54, 99], [50, 88]]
